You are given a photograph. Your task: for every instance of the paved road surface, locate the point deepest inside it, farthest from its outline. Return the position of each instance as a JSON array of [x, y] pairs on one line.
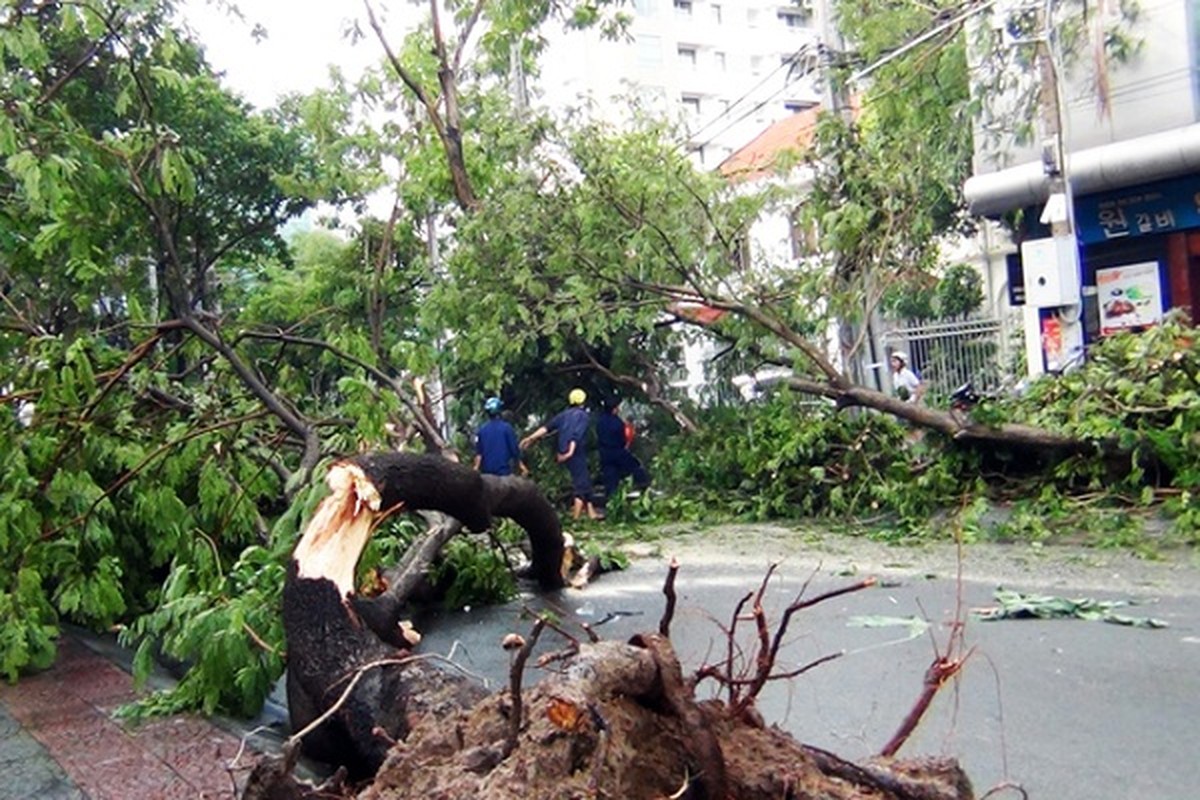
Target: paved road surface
[[1070, 709]]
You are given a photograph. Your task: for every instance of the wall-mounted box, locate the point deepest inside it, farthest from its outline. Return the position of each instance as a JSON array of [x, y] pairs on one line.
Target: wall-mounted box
[[1051, 268]]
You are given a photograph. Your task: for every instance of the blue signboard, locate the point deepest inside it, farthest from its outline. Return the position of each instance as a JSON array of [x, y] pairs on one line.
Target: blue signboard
[[1161, 207]]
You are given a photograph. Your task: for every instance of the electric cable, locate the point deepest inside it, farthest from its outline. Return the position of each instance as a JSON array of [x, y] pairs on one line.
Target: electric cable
[[789, 62]]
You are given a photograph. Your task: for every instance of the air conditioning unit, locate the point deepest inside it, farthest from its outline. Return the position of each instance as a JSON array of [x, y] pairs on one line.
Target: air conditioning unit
[[1051, 268]]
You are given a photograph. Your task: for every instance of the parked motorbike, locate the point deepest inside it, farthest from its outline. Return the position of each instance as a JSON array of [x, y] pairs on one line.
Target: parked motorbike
[[964, 398]]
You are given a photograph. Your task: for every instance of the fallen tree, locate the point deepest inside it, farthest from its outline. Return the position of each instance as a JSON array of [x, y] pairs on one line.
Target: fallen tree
[[613, 719]]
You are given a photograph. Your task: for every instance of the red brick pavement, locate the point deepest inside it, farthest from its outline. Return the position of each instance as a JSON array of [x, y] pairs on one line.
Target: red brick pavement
[[68, 709]]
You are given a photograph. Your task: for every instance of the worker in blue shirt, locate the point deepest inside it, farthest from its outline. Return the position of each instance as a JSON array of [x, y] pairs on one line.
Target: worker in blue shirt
[[572, 425], [613, 438], [496, 448]]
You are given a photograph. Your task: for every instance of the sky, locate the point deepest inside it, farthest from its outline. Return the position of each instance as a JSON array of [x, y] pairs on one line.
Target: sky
[[303, 38]]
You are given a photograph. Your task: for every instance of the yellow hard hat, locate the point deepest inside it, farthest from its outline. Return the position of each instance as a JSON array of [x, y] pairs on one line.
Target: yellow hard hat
[[577, 397]]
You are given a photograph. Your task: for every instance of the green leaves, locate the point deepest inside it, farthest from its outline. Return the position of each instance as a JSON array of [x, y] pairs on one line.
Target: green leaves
[[27, 626], [1016, 605], [788, 458]]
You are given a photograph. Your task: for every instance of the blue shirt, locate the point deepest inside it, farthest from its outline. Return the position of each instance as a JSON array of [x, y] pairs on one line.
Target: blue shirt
[[610, 432], [496, 446], [572, 426]]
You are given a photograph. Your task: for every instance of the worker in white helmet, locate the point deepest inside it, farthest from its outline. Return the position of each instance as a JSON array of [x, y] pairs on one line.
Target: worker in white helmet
[[905, 382]]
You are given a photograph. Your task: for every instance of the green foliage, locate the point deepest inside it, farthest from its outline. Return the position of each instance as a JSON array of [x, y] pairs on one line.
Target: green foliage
[[888, 183], [153, 487], [1136, 399], [225, 627], [790, 458], [1137, 393], [959, 291], [1086, 48], [475, 574]]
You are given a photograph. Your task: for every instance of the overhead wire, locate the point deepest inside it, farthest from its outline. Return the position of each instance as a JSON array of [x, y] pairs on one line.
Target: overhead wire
[[968, 10], [788, 62], [757, 106]]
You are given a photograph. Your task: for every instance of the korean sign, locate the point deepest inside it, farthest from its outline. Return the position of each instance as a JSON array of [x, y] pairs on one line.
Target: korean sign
[[1159, 207]]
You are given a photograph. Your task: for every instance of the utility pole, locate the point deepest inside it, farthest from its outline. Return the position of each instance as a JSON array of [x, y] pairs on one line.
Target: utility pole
[[1054, 265], [858, 343], [1058, 214]]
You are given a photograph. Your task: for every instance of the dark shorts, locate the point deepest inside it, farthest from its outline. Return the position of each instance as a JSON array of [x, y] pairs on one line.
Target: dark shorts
[[581, 481], [616, 464]]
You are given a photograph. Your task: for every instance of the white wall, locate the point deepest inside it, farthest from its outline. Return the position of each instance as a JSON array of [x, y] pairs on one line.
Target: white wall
[[1154, 91], [735, 74]]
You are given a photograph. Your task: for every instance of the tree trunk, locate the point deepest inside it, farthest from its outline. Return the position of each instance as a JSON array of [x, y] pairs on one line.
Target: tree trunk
[[617, 720], [956, 426]]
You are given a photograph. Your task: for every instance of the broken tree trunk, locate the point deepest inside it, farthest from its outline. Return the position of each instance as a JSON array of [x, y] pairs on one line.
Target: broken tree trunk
[[336, 637], [613, 720]]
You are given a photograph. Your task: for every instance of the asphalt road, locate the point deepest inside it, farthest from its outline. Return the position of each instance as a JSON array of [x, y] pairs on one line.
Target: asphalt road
[[1066, 708]]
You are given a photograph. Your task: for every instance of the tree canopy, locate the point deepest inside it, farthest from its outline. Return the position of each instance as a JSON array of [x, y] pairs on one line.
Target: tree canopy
[[177, 366]]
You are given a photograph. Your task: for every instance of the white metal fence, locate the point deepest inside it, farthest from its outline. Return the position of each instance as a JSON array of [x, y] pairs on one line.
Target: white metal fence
[[948, 354]]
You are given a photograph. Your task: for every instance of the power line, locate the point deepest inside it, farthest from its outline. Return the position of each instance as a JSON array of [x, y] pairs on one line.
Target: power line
[[965, 14], [808, 71], [910, 44], [788, 62]]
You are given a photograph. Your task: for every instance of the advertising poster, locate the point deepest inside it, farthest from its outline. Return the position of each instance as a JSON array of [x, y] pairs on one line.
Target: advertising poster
[[1129, 296]]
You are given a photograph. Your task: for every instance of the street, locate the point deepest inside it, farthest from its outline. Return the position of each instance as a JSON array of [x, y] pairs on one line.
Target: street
[[1065, 708]]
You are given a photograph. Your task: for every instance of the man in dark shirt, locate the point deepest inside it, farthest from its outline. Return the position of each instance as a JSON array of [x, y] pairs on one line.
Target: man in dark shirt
[[496, 447], [572, 425], [613, 441]]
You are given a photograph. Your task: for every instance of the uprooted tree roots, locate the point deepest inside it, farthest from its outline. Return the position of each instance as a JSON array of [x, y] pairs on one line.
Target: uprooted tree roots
[[610, 720], [616, 720]]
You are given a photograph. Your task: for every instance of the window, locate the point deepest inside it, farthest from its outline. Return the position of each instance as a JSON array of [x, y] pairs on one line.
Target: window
[[719, 60], [649, 50], [691, 104], [716, 12], [683, 8], [805, 239], [755, 65], [646, 8], [796, 18], [752, 17], [687, 57], [739, 251]]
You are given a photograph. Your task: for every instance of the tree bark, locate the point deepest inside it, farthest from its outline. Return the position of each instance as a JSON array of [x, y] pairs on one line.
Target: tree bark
[[617, 720], [957, 427]]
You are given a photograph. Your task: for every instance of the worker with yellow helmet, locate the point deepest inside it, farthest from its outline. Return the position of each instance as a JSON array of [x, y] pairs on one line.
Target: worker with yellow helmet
[[572, 424]]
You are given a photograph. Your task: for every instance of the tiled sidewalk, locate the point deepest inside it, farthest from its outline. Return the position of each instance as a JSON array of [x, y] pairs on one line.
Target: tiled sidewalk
[[58, 740]]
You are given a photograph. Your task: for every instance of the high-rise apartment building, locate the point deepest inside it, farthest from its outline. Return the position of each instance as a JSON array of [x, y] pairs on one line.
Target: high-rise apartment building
[[726, 69]]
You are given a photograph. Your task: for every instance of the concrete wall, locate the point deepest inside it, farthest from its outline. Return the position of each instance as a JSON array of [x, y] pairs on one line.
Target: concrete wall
[[1154, 91]]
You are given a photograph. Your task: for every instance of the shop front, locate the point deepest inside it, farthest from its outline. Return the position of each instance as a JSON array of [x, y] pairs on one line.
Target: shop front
[[1131, 255]]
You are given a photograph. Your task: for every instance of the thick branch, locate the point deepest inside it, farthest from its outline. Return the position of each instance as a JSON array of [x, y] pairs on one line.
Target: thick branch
[[448, 129], [421, 417], [953, 425], [649, 387], [292, 420]]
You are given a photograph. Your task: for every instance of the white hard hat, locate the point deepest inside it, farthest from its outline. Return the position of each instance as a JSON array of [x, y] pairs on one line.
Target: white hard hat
[[902, 357]]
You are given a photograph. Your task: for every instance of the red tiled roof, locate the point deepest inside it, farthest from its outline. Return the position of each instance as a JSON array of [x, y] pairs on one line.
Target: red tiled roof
[[758, 158]]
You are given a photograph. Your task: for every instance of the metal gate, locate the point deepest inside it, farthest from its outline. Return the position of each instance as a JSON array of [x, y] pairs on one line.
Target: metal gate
[[948, 354]]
